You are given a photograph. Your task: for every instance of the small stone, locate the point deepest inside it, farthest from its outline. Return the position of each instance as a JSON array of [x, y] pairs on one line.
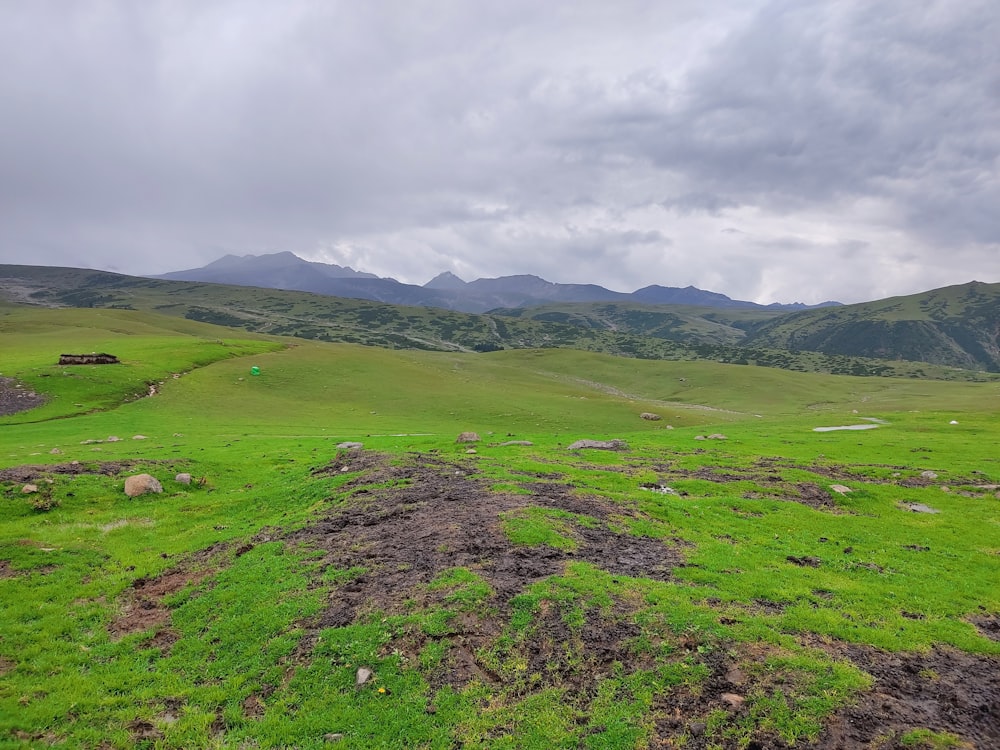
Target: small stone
[[840, 488], [29, 489], [55, 451], [607, 445], [471, 450], [112, 439], [330, 736], [431, 709], [698, 728], [918, 508], [717, 436], [362, 676], [467, 437], [141, 484], [734, 700], [183, 478], [699, 437], [516, 442], [349, 446], [650, 416], [928, 475], [139, 437], [736, 676]]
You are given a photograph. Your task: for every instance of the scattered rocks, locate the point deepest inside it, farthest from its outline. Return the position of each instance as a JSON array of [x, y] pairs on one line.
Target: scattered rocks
[[650, 416], [112, 439], [29, 489], [928, 475], [839, 488], [605, 445], [467, 437], [142, 484], [362, 676], [349, 446], [183, 478], [918, 508]]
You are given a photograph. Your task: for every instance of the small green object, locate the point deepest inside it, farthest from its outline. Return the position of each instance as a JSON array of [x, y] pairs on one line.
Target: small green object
[[255, 370]]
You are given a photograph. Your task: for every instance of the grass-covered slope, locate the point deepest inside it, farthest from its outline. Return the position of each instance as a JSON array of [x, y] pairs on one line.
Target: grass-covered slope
[[957, 326], [770, 589], [663, 332]]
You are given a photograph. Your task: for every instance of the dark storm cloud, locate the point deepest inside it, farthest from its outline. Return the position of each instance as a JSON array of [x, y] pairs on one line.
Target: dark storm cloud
[[622, 144]]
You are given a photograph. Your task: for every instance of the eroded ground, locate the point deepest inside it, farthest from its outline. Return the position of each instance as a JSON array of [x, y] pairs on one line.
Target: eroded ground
[[403, 524]]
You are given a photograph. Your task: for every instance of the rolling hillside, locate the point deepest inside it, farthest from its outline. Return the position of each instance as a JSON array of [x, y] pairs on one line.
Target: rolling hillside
[[957, 326], [638, 331]]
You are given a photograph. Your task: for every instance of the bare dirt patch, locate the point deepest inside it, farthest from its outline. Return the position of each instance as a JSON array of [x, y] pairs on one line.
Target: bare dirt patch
[[16, 398], [945, 690], [32, 472], [406, 524], [142, 606]]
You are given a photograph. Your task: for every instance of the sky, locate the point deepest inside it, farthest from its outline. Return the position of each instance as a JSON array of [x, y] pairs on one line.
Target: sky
[[774, 150]]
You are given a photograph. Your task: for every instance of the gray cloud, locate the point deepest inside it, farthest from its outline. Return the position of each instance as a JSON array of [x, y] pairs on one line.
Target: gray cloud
[[622, 144]]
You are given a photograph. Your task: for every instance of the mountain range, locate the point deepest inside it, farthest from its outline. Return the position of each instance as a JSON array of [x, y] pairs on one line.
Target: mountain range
[[286, 270]]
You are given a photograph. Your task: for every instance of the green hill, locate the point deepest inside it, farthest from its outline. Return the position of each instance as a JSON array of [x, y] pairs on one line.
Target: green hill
[[642, 331], [957, 326]]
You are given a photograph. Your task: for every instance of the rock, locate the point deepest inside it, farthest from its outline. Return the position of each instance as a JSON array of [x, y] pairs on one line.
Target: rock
[[467, 437], [28, 489], [698, 728], [183, 478], [736, 676], [716, 436], [918, 508], [141, 484], [139, 437], [112, 439], [55, 451], [699, 437], [605, 445], [333, 737], [349, 446], [362, 676], [953, 422], [928, 475], [516, 442], [734, 700], [650, 416], [470, 450], [840, 488]]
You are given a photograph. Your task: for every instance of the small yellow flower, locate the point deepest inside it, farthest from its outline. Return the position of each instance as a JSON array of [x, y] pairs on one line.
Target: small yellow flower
[[381, 690]]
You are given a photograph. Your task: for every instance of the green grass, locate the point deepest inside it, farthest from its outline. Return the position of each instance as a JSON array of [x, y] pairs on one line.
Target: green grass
[[249, 662]]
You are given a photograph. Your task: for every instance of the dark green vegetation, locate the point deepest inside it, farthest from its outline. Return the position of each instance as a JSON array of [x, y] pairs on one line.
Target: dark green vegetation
[[772, 589], [664, 332], [957, 326]]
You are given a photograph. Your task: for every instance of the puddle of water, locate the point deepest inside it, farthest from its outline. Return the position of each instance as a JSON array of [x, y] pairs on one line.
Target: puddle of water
[[846, 427]]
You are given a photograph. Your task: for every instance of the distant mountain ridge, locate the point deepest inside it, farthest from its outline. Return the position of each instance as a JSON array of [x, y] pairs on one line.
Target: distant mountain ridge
[[286, 270]]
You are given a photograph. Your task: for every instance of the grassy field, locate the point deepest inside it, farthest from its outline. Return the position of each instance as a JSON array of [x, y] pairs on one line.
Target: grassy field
[[769, 588]]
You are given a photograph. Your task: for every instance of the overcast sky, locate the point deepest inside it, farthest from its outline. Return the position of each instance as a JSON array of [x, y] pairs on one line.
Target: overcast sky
[[794, 150]]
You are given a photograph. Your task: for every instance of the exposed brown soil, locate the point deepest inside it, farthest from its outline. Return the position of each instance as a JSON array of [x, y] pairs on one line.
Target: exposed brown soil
[[15, 398], [142, 606], [944, 690], [406, 524], [32, 472]]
